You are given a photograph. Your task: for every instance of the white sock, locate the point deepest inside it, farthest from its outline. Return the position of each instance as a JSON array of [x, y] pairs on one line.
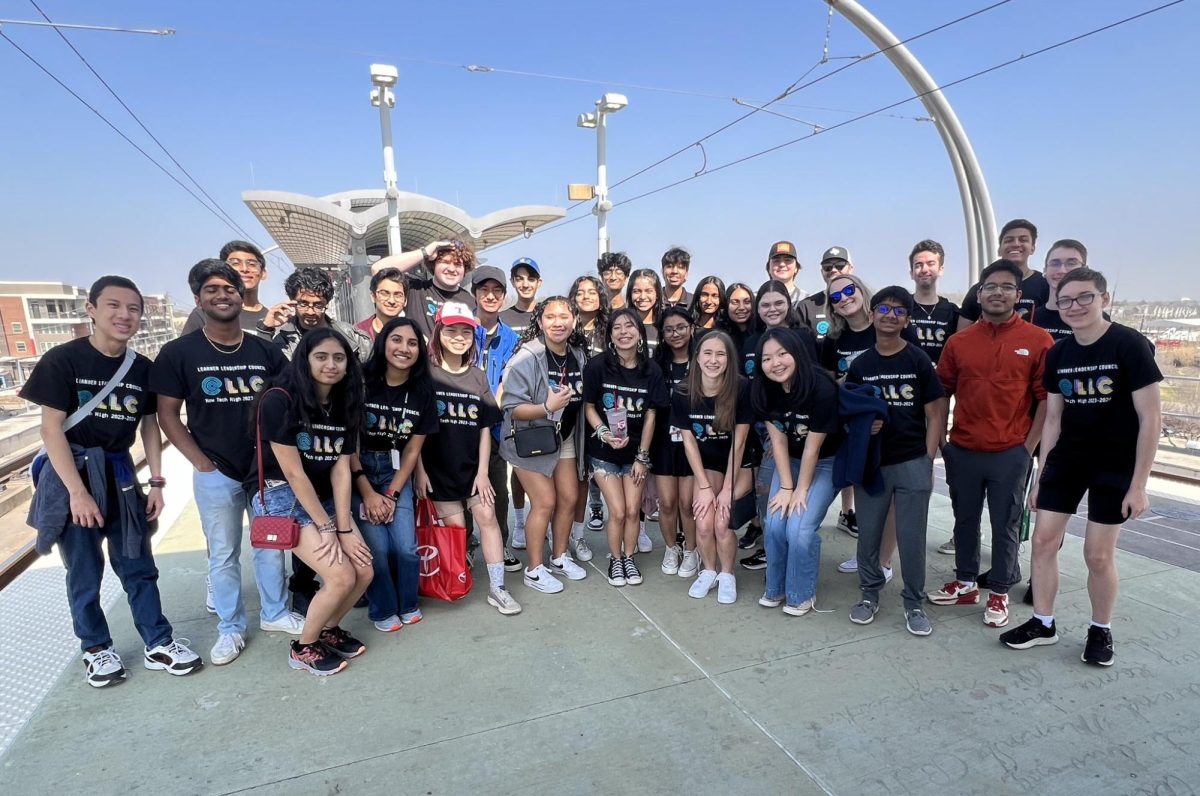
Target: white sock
[[496, 575], [1105, 625], [969, 584], [1047, 621], [576, 530]]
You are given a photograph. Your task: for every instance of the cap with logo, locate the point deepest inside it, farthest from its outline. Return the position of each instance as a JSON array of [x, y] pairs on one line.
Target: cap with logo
[[784, 248], [453, 312], [836, 253], [481, 275], [528, 262]]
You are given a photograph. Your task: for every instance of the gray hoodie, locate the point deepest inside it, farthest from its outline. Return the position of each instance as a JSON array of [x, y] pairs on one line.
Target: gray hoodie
[[525, 382]]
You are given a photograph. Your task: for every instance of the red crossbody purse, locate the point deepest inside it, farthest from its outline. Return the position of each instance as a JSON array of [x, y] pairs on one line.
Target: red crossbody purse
[[266, 532]]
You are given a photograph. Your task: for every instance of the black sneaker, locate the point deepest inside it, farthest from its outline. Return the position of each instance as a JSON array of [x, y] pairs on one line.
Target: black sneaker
[[342, 643], [596, 521], [848, 522], [616, 571], [512, 563], [1099, 648], [756, 561], [633, 576], [1031, 634], [315, 659], [750, 537]]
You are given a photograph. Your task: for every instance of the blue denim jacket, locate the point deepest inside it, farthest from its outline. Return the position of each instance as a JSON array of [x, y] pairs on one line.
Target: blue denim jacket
[[494, 357]]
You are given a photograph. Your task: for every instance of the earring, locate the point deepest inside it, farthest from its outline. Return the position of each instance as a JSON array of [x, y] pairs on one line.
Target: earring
[[612, 348], [640, 346]]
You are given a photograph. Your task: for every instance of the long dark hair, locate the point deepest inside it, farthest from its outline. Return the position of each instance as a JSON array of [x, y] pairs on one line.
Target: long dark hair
[[375, 371], [722, 300], [595, 340], [346, 395], [663, 354], [791, 320], [765, 393], [646, 273], [725, 401], [612, 362], [534, 330]]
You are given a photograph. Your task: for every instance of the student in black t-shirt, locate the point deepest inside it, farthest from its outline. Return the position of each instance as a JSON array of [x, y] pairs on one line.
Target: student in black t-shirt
[[614, 268], [309, 429], [399, 412], [623, 392], [713, 414], [448, 262], [88, 464], [800, 404], [309, 291], [543, 387], [675, 264], [738, 324], [668, 461], [526, 278], [1018, 241], [644, 293], [454, 472], [903, 377], [934, 318], [708, 304], [1103, 420], [218, 371], [591, 304]]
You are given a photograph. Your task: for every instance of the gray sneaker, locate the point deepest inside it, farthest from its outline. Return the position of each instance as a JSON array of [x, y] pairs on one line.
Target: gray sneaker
[[947, 548], [917, 622], [863, 612]]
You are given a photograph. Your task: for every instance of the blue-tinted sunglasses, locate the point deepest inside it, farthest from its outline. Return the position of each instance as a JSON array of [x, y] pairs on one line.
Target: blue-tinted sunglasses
[[884, 309], [846, 292]]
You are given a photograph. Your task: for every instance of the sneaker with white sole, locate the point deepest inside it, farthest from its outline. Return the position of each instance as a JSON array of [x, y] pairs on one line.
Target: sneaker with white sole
[[758, 560], [799, 610], [671, 558], [770, 602], [616, 571], [644, 545], [955, 593], [565, 565], [411, 617], [633, 575], [848, 522], [596, 521], [503, 602], [689, 565], [512, 563], [1098, 650], [917, 622], [888, 573], [518, 536], [291, 622], [540, 579], [103, 668], [996, 612], [947, 548], [848, 566], [174, 658], [315, 658], [389, 625], [1033, 633], [863, 612], [582, 551], [227, 648], [703, 584], [726, 588]]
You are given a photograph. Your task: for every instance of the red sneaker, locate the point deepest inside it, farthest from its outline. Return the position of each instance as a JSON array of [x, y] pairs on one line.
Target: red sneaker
[[996, 613], [955, 593]]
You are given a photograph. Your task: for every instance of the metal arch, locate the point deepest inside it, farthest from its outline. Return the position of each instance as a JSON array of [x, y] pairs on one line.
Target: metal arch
[[976, 201]]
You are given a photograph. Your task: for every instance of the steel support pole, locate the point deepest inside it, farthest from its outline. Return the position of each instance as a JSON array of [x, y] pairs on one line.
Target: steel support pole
[[601, 209], [976, 201]]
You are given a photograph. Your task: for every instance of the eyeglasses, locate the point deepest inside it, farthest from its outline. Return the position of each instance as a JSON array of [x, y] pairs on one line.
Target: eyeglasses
[[1071, 263], [884, 309], [1083, 300], [833, 266], [316, 307], [992, 287], [237, 262], [844, 293], [390, 295], [679, 329]]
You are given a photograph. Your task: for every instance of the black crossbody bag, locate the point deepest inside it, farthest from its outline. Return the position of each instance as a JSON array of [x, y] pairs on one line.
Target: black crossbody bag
[[534, 440]]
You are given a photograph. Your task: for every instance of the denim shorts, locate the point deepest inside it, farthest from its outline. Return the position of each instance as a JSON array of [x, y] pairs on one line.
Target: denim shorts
[[282, 502], [601, 467]]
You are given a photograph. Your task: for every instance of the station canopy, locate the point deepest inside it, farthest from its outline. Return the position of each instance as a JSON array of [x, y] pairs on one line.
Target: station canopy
[[336, 229]]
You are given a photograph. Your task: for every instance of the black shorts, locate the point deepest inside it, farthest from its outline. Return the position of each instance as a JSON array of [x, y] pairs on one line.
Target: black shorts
[[668, 458], [1062, 484]]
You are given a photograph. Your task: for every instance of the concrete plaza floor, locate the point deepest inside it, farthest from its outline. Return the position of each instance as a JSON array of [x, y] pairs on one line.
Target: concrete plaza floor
[[635, 690]]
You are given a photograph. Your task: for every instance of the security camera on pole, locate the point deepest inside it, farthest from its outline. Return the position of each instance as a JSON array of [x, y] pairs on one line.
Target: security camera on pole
[[609, 103]]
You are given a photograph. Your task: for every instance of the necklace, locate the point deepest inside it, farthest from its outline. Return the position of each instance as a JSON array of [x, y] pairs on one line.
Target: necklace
[[928, 310], [217, 346]]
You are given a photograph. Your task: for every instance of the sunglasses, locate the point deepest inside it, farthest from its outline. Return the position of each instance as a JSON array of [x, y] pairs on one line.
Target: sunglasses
[[845, 293], [884, 309]]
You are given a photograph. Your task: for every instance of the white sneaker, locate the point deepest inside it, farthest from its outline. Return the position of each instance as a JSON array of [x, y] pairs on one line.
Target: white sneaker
[[703, 584], [208, 603], [848, 566], [726, 588], [503, 602], [291, 622], [887, 574], [798, 610], [518, 536], [566, 566], [174, 657], [103, 668], [582, 551], [770, 602], [690, 564], [644, 543], [671, 556], [541, 580], [227, 648]]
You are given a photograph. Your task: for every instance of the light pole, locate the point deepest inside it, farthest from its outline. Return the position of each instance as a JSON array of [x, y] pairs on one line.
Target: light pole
[[609, 103], [383, 78]]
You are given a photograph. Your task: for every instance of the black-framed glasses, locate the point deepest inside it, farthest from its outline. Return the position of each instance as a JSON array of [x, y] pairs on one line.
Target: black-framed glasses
[[883, 309], [845, 293], [1083, 300], [318, 306], [677, 329]]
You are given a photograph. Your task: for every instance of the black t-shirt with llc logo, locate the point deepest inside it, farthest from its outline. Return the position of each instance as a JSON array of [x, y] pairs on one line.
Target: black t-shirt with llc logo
[[565, 370], [1097, 383], [393, 414], [69, 375], [320, 442], [714, 445], [218, 385], [817, 411], [932, 325], [465, 404], [1035, 292], [425, 298], [906, 382], [636, 390]]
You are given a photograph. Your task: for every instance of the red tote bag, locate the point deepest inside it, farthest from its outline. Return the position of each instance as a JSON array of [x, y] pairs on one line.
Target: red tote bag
[[442, 551]]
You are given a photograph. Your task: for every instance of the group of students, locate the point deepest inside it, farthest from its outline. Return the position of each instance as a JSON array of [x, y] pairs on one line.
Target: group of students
[[725, 409]]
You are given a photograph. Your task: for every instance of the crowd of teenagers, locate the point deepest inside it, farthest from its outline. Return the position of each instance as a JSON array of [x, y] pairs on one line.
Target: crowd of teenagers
[[729, 410]]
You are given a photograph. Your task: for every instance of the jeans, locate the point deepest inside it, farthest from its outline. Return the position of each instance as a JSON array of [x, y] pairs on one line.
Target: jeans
[[793, 545], [222, 504], [393, 590], [911, 484], [84, 562]]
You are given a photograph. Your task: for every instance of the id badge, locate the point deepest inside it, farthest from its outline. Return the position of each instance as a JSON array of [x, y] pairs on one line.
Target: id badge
[[395, 459], [676, 434]]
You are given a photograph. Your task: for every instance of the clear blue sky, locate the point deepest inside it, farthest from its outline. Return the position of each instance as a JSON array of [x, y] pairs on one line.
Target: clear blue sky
[[1089, 141]]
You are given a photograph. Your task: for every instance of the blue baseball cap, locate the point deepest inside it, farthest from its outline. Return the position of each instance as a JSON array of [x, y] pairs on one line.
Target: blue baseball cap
[[528, 262]]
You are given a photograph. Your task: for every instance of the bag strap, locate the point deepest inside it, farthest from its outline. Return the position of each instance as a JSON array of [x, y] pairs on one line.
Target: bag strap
[[80, 414], [426, 515], [262, 481]]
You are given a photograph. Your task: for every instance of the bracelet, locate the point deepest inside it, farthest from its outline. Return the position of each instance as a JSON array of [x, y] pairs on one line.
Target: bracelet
[[706, 486], [546, 409], [788, 488], [157, 482], [327, 527], [391, 495], [601, 430], [345, 531], [354, 474]]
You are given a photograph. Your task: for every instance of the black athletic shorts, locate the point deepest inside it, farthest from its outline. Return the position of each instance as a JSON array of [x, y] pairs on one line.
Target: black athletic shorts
[[1062, 484]]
